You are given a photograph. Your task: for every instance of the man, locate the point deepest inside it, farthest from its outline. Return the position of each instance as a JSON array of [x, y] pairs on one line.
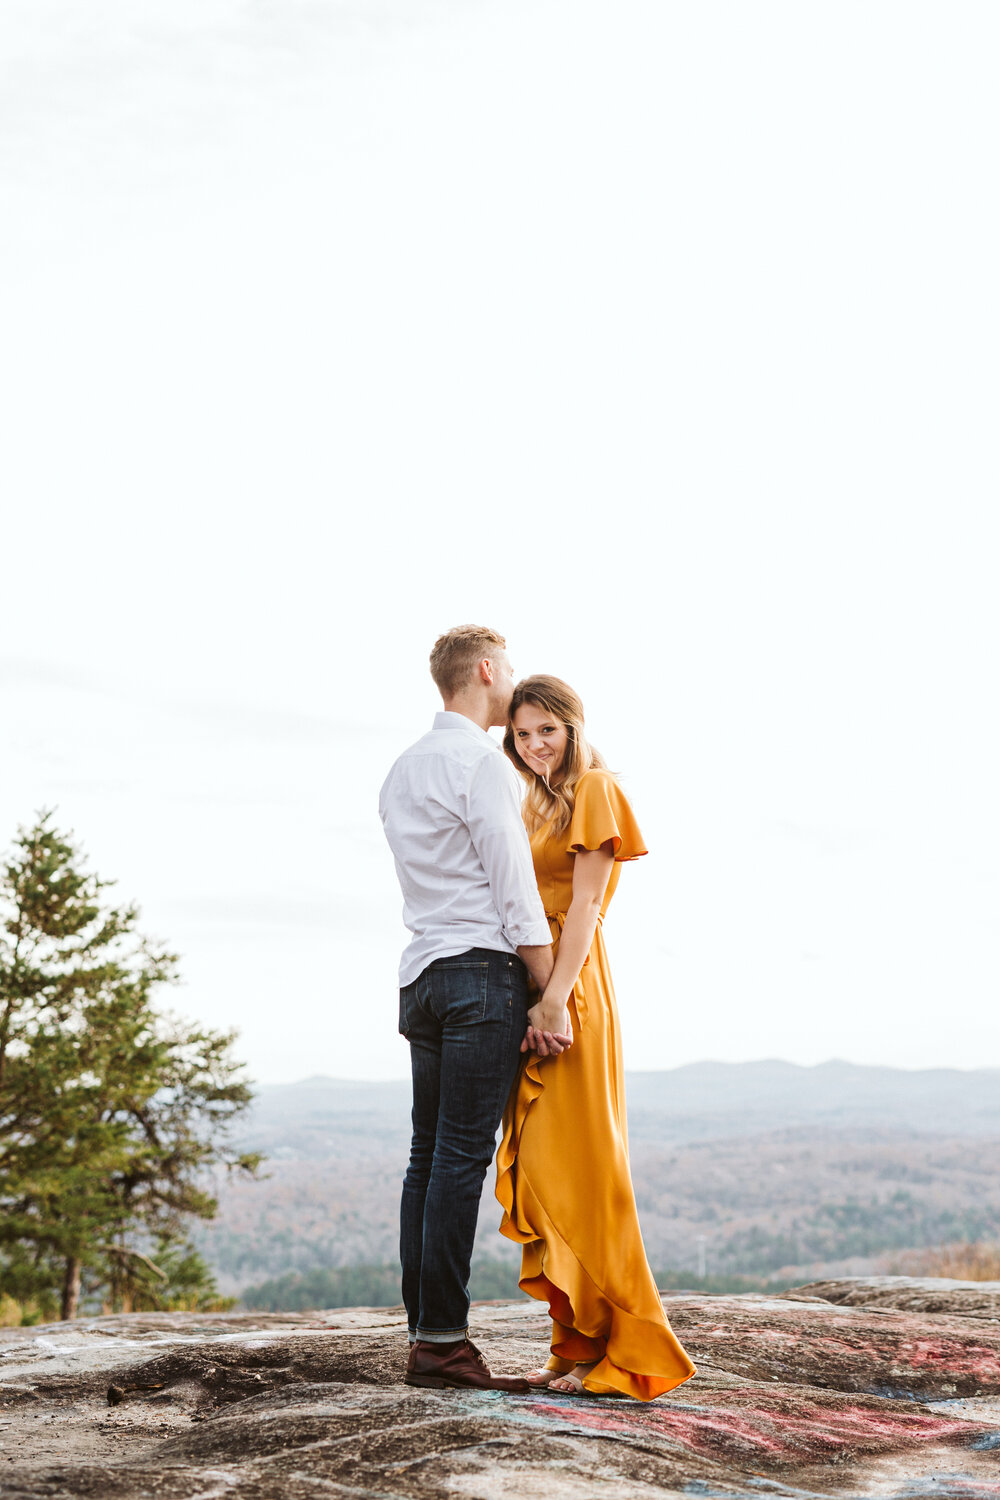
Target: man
[[450, 807]]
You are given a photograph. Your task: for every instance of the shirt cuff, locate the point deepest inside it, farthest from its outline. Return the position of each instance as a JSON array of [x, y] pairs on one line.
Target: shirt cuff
[[535, 935]]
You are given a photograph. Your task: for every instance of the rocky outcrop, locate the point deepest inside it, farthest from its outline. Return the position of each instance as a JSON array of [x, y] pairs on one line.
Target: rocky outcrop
[[934, 1294], [840, 1389]]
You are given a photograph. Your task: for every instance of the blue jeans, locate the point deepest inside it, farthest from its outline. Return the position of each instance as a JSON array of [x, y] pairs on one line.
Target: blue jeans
[[464, 1019]]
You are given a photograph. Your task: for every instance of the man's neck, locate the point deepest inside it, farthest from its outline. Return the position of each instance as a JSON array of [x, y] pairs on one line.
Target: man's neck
[[479, 713]]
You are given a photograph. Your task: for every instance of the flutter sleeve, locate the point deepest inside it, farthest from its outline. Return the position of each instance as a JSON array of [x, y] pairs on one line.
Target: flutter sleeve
[[603, 812]]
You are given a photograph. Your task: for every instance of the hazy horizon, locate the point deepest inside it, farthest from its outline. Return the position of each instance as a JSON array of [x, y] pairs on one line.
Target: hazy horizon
[[704, 1062]]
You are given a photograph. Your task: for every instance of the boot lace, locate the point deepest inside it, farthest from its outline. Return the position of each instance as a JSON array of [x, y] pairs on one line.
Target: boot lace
[[476, 1355]]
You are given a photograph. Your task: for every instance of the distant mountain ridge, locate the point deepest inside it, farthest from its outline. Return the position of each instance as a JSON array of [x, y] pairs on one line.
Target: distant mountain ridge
[[695, 1102], [770, 1093]]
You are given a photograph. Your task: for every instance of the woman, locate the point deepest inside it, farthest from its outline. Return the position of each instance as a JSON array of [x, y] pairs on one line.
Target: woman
[[562, 1168]]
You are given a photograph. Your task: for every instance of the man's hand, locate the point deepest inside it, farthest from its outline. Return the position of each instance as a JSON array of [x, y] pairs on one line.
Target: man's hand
[[549, 1031]]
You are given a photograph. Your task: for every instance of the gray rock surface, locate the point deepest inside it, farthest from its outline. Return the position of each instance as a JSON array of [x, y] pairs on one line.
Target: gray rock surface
[[801, 1396]]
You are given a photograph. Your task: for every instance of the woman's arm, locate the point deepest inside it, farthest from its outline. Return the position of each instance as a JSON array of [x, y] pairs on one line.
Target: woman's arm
[[591, 873]]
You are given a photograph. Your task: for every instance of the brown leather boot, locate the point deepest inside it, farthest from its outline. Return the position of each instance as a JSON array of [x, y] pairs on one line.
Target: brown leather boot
[[459, 1364]]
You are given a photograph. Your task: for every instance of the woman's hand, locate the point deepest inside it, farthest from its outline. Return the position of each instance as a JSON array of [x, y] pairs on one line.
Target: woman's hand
[[549, 1030]]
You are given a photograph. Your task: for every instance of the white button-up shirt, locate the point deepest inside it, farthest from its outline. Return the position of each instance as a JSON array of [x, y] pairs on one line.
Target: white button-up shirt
[[451, 809]]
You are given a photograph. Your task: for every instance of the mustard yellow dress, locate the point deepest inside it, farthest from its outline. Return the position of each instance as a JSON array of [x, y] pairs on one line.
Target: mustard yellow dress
[[562, 1168]]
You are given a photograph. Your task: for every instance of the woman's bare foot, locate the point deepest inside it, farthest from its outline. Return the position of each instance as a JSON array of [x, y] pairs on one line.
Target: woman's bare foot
[[571, 1384], [555, 1368]]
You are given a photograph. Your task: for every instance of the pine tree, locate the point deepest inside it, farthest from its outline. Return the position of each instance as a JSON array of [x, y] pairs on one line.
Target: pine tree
[[111, 1110]]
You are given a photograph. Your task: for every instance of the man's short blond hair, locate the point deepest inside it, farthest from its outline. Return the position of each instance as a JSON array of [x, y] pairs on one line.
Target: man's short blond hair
[[457, 653]]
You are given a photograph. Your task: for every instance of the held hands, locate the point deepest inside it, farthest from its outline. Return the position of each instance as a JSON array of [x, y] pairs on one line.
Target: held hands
[[549, 1031]]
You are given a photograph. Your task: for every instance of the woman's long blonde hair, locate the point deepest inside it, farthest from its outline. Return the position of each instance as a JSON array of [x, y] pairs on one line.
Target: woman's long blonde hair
[[553, 799]]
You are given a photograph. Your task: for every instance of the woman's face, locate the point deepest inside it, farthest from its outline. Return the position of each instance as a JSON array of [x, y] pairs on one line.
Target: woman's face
[[540, 739]]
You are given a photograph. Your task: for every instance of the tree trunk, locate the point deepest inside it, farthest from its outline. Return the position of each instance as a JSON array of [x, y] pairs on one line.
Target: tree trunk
[[71, 1289]]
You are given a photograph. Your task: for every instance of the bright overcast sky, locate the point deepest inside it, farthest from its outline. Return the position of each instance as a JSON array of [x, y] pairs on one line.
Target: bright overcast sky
[[662, 337]]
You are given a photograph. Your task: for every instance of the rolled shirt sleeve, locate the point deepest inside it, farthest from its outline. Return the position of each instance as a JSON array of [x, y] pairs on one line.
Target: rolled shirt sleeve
[[494, 821]]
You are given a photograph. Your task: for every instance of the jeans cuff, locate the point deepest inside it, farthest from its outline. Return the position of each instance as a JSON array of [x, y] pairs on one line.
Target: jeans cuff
[[449, 1336]]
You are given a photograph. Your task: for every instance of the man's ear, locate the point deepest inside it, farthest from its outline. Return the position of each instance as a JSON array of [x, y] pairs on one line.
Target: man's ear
[[486, 670]]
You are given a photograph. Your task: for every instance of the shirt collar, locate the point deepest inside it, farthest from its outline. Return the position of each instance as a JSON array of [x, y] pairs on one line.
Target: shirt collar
[[447, 719]]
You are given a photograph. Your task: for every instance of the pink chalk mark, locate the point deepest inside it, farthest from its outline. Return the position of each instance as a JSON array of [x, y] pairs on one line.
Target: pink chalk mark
[[811, 1430], [850, 1336]]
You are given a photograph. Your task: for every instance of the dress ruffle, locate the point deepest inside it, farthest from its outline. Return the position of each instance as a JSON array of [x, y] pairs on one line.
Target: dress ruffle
[[621, 1326]]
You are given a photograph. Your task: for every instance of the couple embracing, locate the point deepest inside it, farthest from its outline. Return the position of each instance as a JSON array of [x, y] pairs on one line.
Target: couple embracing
[[507, 1003]]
